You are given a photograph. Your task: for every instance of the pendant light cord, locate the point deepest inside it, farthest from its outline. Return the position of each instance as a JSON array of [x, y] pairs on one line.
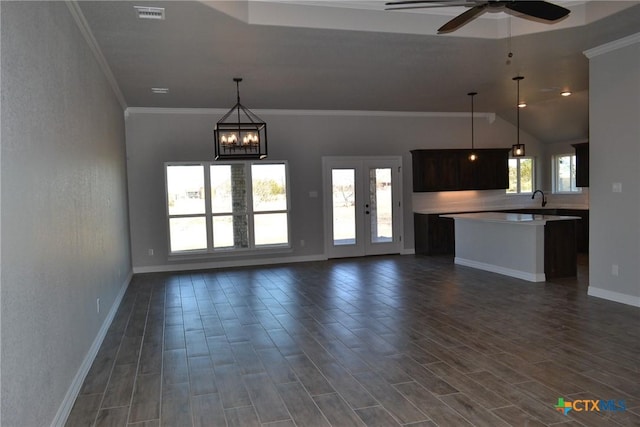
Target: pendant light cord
[[517, 79], [238, 80], [518, 113], [472, 94]]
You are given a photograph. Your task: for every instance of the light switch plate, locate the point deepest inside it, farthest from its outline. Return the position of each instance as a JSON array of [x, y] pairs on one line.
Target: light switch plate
[[617, 187]]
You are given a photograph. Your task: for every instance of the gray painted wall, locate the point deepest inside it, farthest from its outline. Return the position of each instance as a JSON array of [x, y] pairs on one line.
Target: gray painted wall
[[614, 99], [65, 233], [157, 136]]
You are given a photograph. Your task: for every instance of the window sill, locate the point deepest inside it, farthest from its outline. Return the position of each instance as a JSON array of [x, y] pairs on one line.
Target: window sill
[[229, 254], [567, 193]]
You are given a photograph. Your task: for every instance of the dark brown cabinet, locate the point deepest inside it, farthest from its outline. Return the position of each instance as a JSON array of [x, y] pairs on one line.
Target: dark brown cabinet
[[560, 250], [433, 235], [582, 164], [451, 170], [435, 170]]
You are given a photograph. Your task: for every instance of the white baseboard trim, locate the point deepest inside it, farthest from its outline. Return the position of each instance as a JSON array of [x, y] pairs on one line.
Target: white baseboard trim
[[614, 296], [72, 393], [518, 274], [227, 263], [410, 251]]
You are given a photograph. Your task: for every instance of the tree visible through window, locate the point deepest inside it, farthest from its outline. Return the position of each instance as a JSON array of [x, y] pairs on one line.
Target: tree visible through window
[[564, 174], [521, 176], [245, 206]]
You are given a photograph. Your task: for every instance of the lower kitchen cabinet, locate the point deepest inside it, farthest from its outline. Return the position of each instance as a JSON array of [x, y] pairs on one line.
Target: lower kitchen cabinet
[[434, 235]]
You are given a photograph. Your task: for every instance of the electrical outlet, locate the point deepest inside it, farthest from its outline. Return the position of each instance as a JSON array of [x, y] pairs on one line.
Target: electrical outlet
[[614, 269], [98, 305], [302, 243], [150, 252]]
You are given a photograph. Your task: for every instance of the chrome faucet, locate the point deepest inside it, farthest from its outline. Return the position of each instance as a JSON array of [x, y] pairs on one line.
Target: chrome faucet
[[544, 199]]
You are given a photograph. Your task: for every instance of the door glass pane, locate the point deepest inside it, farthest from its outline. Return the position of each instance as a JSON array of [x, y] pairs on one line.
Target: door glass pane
[[269, 183], [188, 234], [185, 189], [343, 188], [270, 229], [380, 205]]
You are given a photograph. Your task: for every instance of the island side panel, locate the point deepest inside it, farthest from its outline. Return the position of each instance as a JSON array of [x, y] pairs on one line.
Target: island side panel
[[512, 249]]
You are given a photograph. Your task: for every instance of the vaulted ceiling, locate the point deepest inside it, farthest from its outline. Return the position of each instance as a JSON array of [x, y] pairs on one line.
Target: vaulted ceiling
[[351, 55]]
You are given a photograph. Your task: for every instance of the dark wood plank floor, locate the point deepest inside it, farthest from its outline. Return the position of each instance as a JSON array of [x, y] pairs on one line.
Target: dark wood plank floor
[[379, 341]]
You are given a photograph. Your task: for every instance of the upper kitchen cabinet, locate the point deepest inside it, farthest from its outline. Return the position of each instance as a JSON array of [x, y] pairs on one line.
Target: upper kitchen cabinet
[[582, 164], [435, 170], [451, 170]]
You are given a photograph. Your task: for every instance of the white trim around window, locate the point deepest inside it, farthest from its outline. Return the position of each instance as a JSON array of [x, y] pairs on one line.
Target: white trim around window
[[522, 175], [227, 208], [563, 168]]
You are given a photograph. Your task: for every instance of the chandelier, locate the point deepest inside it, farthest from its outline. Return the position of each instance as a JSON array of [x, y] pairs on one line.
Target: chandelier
[[240, 134]]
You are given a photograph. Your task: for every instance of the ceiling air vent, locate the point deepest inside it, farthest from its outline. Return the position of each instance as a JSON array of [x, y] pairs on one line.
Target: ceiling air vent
[[145, 12]]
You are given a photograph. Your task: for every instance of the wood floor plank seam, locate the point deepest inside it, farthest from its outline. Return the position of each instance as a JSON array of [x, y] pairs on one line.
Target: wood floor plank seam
[[390, 339]]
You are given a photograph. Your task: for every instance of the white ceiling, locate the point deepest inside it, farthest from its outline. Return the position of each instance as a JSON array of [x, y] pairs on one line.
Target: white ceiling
[[353, 55]]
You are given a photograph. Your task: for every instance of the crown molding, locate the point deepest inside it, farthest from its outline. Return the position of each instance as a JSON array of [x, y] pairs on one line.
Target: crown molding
[[611, 46], [85, 30], [488, 116]]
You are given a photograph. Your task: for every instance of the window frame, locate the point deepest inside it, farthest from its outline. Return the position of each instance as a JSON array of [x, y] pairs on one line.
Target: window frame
[[572, 178], [519, 177], [208, 214]]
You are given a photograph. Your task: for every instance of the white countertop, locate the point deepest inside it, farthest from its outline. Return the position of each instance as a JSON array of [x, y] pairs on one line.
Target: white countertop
[[512, 218]]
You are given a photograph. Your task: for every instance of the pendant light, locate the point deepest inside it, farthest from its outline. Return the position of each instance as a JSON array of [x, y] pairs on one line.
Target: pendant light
[[472, 156], [240, 134], [517, 149]]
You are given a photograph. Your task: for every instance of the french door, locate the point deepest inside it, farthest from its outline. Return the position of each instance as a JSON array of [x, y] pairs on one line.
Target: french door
[[363, 213]]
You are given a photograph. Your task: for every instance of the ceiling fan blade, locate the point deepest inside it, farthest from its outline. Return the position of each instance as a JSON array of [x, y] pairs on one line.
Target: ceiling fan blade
[[538, 9], [462, 19], [401, 2], [424, 4]]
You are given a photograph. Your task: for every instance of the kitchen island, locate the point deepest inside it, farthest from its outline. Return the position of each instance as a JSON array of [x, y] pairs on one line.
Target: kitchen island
[[527, 246]]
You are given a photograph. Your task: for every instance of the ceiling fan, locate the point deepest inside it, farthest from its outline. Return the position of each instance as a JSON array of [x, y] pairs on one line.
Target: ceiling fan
[[536, 9]]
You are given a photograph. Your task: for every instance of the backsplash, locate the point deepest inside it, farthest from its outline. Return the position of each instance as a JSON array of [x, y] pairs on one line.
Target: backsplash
[[476, 200]]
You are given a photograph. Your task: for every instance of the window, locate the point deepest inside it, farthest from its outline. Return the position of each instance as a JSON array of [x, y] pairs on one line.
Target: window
[[521, 177], [244, 206], [564, 174]]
